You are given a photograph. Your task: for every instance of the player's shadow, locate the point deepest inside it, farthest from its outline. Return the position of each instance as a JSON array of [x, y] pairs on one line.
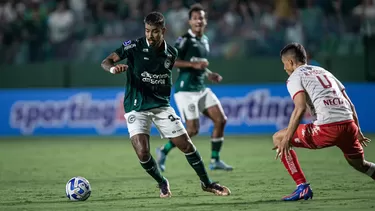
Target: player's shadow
[[146, 197], [63, 201], [215, 203], [272, 201], [17, 203]]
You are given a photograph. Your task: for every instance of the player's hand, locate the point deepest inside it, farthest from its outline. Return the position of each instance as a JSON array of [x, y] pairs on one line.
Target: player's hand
[[119, 68], [282, 148], [200, 65], [215, 77], [363, 140]]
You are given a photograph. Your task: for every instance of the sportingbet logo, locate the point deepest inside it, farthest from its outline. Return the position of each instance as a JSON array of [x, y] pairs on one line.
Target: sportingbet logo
[[255, 109], [79, 111]]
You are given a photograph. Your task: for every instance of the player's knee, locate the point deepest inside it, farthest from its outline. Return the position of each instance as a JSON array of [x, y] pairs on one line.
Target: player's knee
[[143, 153], [140, 145], [187, 147], [358, 164], [192, 131], [220, 122], [183, 143]]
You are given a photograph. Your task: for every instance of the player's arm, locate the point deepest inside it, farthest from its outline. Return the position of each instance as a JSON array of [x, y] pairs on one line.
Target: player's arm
[[110, 61], [363, 140], [297, 92], [355, 116], [121, 53], [342, 89], [182, 44], [198, 65], [299, 100]]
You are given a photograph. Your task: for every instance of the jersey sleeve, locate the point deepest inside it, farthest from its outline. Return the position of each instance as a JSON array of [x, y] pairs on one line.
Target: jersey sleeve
[[126, 49], [175, 55], [181, 46], [294, 85]]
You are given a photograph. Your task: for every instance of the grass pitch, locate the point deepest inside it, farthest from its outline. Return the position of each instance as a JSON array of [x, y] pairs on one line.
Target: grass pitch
[[34, 171]]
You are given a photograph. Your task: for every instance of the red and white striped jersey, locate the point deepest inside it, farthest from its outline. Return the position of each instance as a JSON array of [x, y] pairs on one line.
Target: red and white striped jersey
[[325, 100]]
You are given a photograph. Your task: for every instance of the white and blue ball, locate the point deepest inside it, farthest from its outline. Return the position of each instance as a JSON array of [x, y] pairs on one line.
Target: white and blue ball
[[78, 189]]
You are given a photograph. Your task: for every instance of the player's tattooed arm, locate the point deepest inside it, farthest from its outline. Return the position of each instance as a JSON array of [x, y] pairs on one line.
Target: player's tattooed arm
[[110, 61], [108, 64]]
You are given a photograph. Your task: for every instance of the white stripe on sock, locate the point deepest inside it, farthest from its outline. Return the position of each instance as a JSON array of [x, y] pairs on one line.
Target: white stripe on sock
[[371, 170], [217, 139], [190, 153], [146, 161]]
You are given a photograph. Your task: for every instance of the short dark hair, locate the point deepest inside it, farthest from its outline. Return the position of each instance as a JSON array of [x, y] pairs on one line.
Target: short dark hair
[[195, 8], [296, 50], [155, 19]]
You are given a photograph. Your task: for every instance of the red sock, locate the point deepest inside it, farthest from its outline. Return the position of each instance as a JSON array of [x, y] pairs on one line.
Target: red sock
[[292, 165]]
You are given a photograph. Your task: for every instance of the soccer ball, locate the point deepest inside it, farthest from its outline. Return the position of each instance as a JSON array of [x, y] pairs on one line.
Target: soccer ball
[[78, 189]]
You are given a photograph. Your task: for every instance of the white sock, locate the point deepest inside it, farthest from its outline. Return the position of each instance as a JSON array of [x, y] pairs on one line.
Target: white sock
[[371, 170]]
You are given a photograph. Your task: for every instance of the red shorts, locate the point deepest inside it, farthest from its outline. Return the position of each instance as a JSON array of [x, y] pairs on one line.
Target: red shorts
[[340, 134]]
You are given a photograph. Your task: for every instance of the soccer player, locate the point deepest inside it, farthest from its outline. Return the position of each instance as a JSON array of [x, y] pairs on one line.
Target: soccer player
[[336, 121], [192, 97], [148, 86]]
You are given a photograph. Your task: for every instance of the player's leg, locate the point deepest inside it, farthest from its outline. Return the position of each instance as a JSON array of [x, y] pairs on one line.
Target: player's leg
[[141, 146], [363, 166], [185, 102], [171, 127], [211, 107], [139, 124], [184, 143], [353, 151], [291, 163]]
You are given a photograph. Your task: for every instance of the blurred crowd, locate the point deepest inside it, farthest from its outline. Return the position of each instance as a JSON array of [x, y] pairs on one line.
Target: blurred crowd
[[87, 30]]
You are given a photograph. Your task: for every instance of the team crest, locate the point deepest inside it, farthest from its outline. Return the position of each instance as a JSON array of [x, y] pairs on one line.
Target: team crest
[[191, 107], [167, 63], [131, 119]]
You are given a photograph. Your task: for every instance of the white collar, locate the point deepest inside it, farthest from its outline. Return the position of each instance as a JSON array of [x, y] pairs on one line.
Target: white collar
[[191, 33], [165, 45]]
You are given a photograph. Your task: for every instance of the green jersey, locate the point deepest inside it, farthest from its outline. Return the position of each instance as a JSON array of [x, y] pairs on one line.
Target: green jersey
[[191, 48], [148, 78]]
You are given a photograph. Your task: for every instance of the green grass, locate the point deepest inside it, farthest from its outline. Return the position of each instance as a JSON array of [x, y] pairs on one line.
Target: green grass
[[34, 171]]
